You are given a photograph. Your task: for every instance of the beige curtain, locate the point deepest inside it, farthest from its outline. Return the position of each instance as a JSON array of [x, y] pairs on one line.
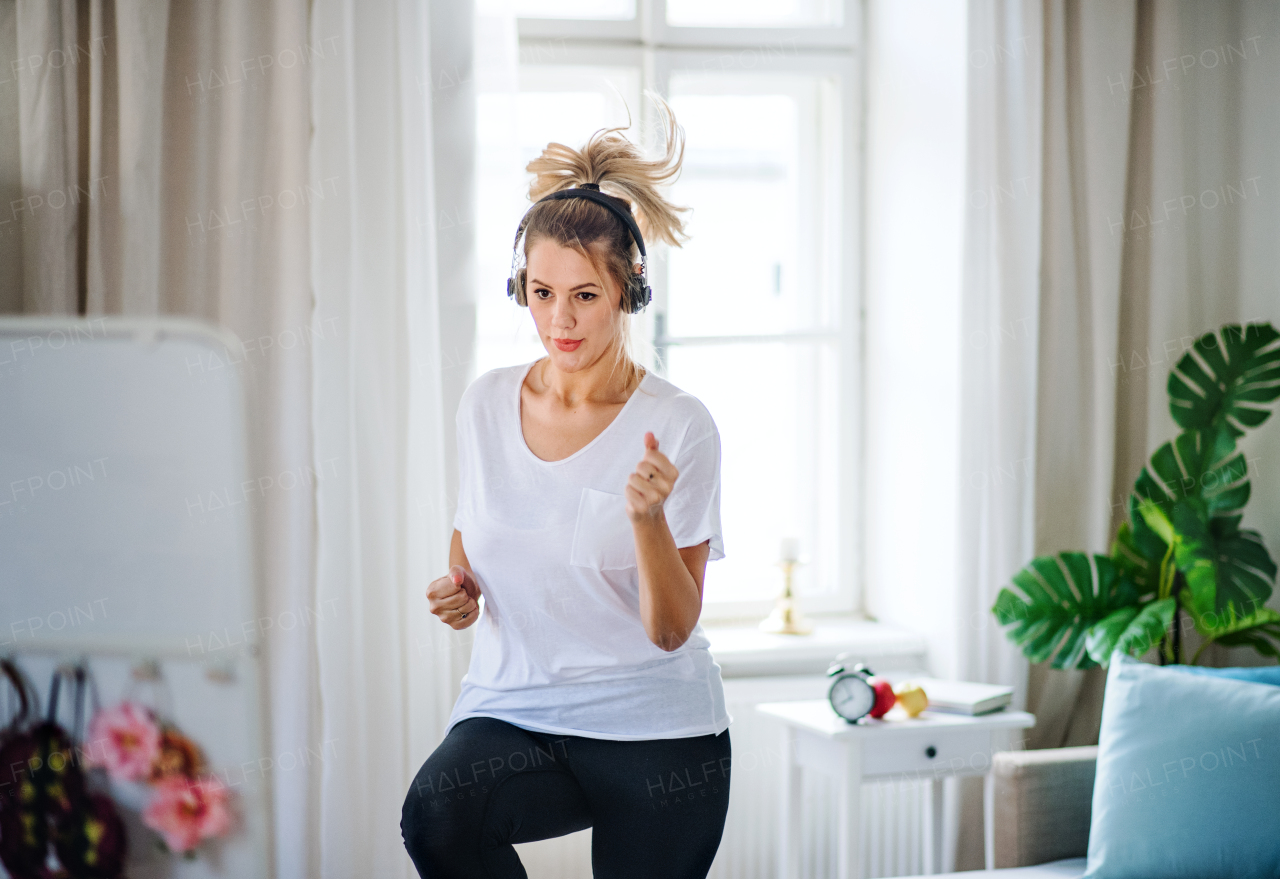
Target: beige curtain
[[1086, 162], [158, 165], [1161, 120], [1121, 173], [40, 179]]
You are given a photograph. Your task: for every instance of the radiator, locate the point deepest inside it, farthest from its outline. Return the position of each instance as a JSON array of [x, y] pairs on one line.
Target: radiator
[[892, 838]]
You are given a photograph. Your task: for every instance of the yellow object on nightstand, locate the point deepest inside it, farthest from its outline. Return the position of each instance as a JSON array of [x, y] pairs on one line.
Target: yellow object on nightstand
[[911, 697]]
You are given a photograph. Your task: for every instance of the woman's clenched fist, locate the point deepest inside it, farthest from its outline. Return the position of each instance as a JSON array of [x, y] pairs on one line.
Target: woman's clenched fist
[[454, 597]]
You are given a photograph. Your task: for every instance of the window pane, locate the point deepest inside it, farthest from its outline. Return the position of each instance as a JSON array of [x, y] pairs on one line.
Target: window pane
[[758, 173], [755, 13], [562, 104], [776, 408], [567, 104], [591, 9]]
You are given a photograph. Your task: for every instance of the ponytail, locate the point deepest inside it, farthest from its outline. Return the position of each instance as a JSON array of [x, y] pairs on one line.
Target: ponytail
[[620, 169]]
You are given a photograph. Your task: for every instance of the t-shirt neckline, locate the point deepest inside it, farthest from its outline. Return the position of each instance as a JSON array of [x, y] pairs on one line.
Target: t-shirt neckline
[[520, 427]]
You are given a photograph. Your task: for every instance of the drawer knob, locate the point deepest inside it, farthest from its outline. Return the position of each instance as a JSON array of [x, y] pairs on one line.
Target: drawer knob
[[931, 752]]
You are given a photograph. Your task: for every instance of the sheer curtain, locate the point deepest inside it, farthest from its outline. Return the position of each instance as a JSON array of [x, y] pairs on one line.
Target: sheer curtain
[[390, 263]]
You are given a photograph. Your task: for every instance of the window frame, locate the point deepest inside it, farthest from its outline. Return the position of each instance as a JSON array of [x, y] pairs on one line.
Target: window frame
[[650, 27], [657, 31], [661, 49]]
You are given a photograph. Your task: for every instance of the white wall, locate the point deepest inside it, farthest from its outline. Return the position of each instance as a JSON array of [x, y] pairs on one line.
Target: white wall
[[914, 220], [916, 80]]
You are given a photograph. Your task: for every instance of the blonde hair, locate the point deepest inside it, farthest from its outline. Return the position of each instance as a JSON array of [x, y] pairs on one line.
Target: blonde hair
[[620, 169]]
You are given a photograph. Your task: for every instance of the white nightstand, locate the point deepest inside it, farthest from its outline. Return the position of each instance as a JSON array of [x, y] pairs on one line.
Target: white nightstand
[[931, 746]]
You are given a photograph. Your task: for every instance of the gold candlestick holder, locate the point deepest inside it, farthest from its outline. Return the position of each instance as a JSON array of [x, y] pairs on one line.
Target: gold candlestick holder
[[785, 618]]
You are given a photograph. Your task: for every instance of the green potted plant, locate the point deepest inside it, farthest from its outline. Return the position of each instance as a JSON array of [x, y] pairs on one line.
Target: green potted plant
[[1181, 552]]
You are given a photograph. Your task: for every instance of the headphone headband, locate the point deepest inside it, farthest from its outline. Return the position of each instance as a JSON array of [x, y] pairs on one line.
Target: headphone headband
[[591, 192]]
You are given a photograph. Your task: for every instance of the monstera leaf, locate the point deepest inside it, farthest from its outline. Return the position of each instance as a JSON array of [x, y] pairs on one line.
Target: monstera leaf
[[1226, 379], [1223, 564], [1199, 465], [1059, 599], [1137, 553], [1256, 630], [1131, 629]]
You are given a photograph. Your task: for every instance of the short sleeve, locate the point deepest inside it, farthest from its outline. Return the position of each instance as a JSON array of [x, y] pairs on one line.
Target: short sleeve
[[693, 508]]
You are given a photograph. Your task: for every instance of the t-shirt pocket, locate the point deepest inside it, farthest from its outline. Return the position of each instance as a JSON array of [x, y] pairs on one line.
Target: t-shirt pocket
[[602, 535]]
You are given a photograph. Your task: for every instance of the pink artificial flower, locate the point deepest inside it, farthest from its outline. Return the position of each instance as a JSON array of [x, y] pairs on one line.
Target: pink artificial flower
[[184, 812], [124, 739]]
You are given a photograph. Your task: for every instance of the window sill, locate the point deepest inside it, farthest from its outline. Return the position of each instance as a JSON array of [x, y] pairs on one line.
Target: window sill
[[742, 650]]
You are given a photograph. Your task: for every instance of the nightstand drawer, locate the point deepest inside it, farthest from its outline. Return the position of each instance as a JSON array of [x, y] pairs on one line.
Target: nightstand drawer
[[927, 753]]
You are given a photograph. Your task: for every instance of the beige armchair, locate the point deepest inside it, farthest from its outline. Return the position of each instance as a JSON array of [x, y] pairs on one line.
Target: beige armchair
[[1043, 801]]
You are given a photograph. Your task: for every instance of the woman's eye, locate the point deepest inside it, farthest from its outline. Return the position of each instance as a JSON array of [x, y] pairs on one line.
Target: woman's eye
[[589, 296], [540, 291]]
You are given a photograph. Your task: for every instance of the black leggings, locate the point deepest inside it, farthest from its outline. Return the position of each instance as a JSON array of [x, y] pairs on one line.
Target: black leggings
[[657, 806]]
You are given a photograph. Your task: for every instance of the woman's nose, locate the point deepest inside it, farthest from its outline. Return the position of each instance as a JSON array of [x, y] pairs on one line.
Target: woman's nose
[[562, 314]]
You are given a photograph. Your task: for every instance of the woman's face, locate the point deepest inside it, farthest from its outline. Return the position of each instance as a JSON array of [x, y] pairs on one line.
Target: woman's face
[[574, 315]]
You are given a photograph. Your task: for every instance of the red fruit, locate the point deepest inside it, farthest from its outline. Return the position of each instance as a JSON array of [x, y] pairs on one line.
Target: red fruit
[[884, 696]]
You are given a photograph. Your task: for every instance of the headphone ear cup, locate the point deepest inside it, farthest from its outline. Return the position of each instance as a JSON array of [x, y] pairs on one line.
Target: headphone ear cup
[[518, 283], [637, 294]]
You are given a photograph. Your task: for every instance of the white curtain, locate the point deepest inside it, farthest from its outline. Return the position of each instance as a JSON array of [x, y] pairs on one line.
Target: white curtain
[[999, 346], [998, 325], [390, 262]]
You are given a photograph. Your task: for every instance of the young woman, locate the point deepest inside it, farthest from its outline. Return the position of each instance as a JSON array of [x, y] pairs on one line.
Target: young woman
[[589, 505]]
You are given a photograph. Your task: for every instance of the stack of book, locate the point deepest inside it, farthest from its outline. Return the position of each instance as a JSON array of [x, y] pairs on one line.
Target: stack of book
[[964, 697]]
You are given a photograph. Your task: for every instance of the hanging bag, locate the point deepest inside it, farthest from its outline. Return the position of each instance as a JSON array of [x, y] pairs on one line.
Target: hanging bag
[[24, 832], [89, 838], [51, 803]]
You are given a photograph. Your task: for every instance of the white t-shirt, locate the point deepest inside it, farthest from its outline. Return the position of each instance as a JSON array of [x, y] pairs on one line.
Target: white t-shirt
[[559, 644]]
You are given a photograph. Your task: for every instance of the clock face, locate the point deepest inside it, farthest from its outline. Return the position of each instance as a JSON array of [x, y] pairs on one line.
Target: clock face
[[852, 697]]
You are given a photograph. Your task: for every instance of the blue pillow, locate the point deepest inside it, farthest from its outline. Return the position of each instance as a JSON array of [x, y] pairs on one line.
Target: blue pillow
[[1263, 674], [1188, 779]]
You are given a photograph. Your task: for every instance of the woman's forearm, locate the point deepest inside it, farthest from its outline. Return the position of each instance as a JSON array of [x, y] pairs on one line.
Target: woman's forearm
[[670, 600]]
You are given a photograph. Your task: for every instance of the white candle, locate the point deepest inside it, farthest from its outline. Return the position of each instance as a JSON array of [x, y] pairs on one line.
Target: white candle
[[790, 550]]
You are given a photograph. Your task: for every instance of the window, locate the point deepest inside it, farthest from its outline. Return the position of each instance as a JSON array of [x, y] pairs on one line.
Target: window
[[758, 315]]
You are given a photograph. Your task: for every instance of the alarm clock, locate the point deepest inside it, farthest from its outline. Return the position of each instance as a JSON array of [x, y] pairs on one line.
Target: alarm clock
[[852, 695]]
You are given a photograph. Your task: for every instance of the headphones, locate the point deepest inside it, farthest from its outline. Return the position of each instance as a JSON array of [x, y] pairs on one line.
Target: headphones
[[637, 293]]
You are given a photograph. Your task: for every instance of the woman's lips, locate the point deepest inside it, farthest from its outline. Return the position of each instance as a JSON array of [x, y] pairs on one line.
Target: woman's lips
[[568, 344]]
